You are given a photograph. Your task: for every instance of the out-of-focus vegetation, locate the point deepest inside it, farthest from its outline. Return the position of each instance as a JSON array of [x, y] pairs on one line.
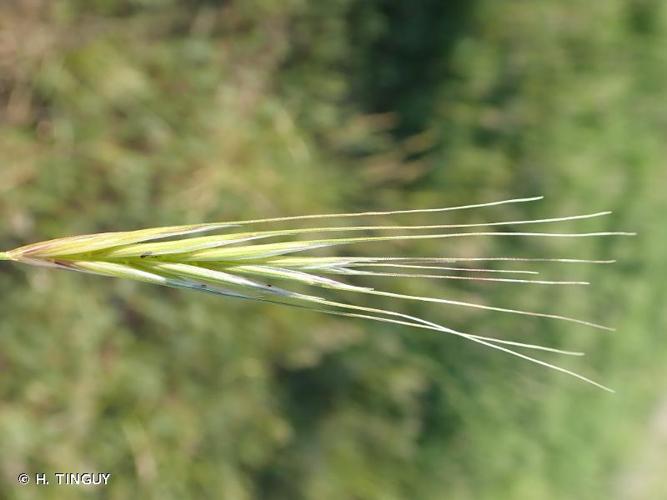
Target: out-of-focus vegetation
[[120, 114]]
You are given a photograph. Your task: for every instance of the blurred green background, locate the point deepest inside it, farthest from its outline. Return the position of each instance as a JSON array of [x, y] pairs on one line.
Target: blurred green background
[[122, 114]]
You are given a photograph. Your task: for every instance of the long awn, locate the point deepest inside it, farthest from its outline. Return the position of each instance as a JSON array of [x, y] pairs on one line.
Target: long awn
[[234, 264]]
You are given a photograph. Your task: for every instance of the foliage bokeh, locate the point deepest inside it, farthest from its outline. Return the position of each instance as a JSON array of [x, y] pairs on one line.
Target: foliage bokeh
[[121, 114]]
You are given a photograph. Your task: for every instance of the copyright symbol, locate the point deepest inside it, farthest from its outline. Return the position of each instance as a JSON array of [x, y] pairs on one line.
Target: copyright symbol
[[23, 478]]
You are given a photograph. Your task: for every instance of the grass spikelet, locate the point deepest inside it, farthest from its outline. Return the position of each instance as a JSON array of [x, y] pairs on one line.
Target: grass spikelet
[[241, 263]]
